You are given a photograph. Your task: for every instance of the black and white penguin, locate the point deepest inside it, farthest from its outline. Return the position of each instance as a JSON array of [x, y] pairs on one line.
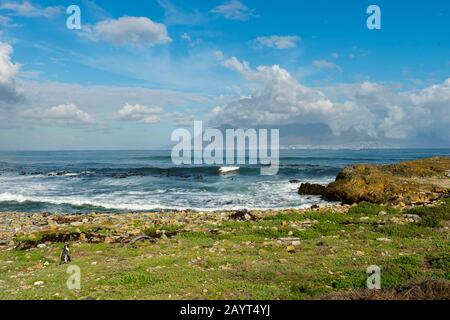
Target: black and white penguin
[[65, 257]]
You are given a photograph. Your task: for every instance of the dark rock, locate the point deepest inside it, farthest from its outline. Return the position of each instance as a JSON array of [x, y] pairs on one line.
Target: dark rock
[[243, 215], [311, 189]]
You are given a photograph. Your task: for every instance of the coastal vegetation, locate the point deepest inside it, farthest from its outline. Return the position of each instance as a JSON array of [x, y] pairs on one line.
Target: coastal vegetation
[[317, 253]]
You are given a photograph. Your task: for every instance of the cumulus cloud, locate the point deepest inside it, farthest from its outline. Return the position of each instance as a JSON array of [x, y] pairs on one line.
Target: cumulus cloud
[[128, 30], [277, 42], [105, 99], [8, 73], [326, 65], [367, 109], [28, 9], [63, 114], [235, 10], [101, 102], [140, 113]]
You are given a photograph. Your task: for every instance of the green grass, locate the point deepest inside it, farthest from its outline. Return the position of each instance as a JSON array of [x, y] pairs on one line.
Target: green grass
[[433, 216], [156, 231], [242, 260]]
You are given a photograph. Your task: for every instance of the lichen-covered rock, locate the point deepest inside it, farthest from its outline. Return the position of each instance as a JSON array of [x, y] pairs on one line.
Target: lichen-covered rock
[[412, 182]]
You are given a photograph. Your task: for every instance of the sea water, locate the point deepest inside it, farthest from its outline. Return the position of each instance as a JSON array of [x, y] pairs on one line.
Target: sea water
[[123, 181]]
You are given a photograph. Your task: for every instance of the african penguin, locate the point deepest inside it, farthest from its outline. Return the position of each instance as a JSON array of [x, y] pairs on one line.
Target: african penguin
[[65, 257]]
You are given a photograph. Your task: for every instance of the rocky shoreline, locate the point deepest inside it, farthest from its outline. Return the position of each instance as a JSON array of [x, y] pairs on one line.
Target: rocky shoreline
[[403, 185], [416, 182], [126, 226]]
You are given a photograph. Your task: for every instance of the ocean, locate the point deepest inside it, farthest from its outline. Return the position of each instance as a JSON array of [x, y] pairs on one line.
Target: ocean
[[124, 181]]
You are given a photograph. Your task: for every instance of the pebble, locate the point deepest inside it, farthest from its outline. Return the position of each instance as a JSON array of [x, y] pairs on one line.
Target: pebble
[[384, 240], [413, 217], [290, 249], [39, 283]]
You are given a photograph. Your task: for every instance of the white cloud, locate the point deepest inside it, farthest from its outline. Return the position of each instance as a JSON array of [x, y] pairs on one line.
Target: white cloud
[[28, 9], [235, 10], [7, 22], [8, 69], [8, 73], [105, 99], [367, 109], [242, 67], [277, 42], [128, 30], [175, 16], [63, 114], [140, 113], [186, 37], [326, 65], [183, 118], [101, 101], [218, 55]]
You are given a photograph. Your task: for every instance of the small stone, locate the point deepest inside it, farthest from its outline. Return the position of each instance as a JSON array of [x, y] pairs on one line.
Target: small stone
[[39, 283], [359, 253], [384, 240], [295, 243], [382, 213], [413, 217], [109, 240], [41, 245], [290, 249]]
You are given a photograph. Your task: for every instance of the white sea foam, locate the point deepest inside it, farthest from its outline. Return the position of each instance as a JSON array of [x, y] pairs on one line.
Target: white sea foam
[[177, 200], [228, 169]]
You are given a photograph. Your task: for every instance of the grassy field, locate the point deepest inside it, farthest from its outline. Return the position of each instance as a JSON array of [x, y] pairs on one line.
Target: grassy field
[[291, 255]]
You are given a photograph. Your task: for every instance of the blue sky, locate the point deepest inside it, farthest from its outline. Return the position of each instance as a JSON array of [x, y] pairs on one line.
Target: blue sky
[[140, 68]]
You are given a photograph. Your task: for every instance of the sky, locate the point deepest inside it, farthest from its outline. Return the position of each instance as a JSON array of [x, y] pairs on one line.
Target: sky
[[139, 69]]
